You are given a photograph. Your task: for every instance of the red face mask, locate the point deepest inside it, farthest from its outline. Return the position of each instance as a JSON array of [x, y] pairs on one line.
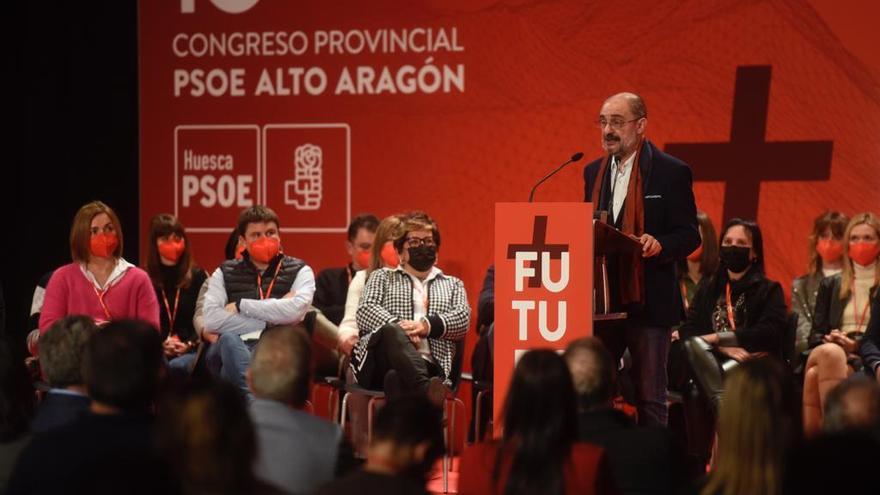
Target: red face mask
[[264, 249], [362, 259], [103, 245], [695, 256], [829, 249], [171, 250], [390, 256], [864, 253]]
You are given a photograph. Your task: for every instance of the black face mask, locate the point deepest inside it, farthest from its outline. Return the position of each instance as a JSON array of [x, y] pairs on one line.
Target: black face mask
[[422, 258], [735, 258]]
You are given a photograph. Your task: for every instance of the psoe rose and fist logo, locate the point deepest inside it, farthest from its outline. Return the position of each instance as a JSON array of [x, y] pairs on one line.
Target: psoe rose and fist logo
[[302, 171]]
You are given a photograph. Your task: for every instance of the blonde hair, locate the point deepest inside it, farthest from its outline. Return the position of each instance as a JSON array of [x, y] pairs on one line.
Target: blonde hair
[[847, 275], [756, 423], [81, 230]]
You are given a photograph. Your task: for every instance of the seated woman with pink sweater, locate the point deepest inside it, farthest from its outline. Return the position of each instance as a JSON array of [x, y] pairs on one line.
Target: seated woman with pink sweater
[[98, 283]]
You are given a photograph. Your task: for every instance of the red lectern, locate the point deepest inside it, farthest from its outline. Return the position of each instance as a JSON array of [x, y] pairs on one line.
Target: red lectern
[[543, 282]]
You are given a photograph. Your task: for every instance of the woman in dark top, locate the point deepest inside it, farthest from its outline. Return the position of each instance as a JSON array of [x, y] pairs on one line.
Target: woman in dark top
[[737, 315], [825, 252], [177, 281]]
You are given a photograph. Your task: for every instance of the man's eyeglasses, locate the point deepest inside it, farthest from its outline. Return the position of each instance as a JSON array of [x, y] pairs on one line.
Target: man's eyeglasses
[[419, 241], [615, 123]]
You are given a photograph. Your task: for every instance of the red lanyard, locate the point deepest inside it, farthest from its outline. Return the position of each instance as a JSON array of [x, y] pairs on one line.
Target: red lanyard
[[684, 295], [730, 310], [271, 284], [172, 315], [101, 294], [859, 321]]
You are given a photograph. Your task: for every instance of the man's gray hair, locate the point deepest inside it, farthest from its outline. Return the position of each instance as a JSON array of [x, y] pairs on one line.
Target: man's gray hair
[[281, 365], [62, 348], [592, 372]]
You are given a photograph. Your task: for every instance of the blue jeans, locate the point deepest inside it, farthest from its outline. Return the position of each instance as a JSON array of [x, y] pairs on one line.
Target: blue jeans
[[180, 366], [229, 358], [648, 346]]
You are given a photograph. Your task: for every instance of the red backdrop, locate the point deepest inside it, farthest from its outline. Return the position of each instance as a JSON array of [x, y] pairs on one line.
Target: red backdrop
[[524, 82]]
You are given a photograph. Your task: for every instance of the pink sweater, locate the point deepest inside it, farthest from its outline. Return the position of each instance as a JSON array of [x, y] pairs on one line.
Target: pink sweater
[[70, 293]]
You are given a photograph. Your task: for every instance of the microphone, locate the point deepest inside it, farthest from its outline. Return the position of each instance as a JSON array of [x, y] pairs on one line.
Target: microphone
[[575, 157]]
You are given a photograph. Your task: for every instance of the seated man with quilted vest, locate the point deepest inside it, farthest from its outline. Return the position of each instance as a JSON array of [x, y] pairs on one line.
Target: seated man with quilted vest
[[410, 318], [245, 296]]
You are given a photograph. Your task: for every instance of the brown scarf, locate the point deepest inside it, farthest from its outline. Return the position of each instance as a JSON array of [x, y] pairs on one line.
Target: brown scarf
[[631, 287]]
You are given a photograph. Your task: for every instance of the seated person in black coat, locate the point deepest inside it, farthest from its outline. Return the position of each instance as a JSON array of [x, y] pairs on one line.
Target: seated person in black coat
[[737, 315], [110, 448], [643, 459], [331, 285], [61, 351]]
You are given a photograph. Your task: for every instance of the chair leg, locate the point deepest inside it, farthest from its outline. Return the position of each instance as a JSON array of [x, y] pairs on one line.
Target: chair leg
[[344, 413], [371, 406], [446, 450], [478, 420]]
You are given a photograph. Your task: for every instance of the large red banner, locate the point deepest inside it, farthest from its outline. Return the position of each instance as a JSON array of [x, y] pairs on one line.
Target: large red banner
[[323, 110]]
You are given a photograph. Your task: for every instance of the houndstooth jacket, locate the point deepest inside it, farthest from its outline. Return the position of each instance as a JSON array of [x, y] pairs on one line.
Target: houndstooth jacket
[[388, 298]]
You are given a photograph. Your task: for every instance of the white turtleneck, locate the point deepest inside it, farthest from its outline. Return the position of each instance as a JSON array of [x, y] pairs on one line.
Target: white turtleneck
[[852, 314]]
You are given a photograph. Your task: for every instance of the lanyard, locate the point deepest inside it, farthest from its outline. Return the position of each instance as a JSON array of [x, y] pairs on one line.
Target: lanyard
[[271, 284], [684, 295], [859, 321], [101, 294], [172, 315], [730, 310]]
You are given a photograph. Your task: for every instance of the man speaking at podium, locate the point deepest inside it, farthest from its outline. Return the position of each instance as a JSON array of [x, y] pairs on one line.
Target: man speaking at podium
[[647, 195]]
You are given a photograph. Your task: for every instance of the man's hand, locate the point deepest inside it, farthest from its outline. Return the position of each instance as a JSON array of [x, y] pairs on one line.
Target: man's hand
[[674, 336], [210, 337], [230, 308], [650, 246], [737, 353]]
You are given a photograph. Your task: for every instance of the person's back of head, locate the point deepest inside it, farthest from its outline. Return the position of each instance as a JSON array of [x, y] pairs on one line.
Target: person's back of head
[[281, 366], [122, 365], [206, 435], [409, 431], [758, 422], [592, 372], [540, 424], [62, 348], [853, 404]]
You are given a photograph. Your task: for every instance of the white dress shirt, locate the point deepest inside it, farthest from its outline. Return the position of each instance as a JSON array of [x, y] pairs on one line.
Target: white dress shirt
[[620, 183]]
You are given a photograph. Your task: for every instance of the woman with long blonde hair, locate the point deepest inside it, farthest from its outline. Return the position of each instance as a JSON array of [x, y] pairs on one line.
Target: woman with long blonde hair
[[757, 424]]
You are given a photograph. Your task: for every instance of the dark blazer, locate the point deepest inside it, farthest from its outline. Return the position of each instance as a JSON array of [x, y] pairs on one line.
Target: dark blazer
[[59, 409], [670, 216], [828, 314], [94, 454], [643, 459], [870, 347], [331, 289], [760, 327]]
